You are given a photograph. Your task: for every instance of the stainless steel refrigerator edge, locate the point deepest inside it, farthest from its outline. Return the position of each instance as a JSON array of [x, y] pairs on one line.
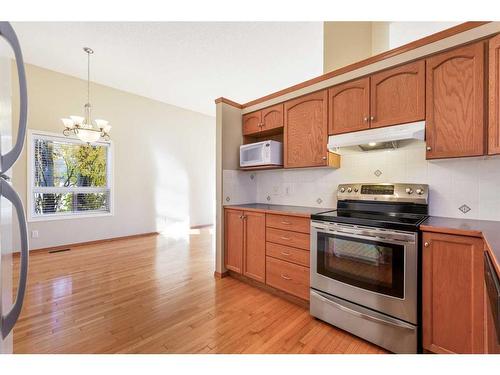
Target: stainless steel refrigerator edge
[[9, 310]]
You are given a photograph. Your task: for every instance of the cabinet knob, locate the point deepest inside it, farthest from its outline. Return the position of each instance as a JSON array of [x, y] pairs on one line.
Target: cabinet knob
[[324, 157], [426, 244], [365, 119], [372, 118], [428, 148]]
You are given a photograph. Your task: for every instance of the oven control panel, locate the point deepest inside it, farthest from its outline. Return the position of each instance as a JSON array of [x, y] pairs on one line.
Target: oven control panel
[[389, 192]]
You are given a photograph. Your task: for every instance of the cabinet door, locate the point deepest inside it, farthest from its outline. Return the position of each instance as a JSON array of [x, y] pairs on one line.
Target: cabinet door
[[349, 106], [398, 95], [494, 96], [453, 294], [455, 123], [234, 240], [255, 245], [272, 117], [306, 134], [251, 123]]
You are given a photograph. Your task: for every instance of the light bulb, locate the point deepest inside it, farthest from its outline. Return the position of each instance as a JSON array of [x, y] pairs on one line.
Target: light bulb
[[372, 144], [101, 124], [88, 136], [68, 123], [78, 120]]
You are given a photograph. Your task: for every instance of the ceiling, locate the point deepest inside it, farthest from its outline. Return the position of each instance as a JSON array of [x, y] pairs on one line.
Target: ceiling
[[180, 63]]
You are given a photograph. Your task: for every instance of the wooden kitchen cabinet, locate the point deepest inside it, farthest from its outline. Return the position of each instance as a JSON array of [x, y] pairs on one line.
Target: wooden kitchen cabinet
[[264, 121], [306, 131], [397, 95], [254, 264], [245, 243], [453, 296], [494, 96], [455, 112], [251, 122], [349, 106], [234, 240]]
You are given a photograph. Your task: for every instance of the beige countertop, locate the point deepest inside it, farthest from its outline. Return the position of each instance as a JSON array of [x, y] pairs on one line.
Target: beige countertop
[[280, 209], [488, 230]]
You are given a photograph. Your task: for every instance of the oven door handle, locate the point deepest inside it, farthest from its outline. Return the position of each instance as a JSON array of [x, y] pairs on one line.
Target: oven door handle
[[364, 236], [386, 321]]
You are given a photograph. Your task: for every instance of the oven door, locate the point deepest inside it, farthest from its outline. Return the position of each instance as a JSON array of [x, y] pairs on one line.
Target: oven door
[[375, 268]]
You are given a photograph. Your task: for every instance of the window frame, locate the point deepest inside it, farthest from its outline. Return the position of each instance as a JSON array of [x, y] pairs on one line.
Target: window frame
[[31, 217]]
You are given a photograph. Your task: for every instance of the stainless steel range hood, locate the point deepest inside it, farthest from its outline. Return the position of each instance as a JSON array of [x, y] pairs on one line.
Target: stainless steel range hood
[[378, 138]]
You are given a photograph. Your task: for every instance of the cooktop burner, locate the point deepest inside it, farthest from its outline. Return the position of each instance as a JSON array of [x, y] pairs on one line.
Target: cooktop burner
[[386, 205], [394, 220]]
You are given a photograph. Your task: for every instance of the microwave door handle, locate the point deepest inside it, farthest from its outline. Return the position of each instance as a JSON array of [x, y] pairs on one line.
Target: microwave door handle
[[7, 160], [9, 320]]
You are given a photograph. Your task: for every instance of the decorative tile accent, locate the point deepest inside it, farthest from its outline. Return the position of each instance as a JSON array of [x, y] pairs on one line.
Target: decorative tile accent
[[319, 201], [464, 208], [268, 198], [228, 199], [377, 173]]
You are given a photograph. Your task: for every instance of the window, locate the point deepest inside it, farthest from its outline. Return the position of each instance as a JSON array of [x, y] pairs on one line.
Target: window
[[68, 178]]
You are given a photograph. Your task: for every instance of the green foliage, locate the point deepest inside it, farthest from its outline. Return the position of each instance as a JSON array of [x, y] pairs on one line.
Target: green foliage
[[69, 165]]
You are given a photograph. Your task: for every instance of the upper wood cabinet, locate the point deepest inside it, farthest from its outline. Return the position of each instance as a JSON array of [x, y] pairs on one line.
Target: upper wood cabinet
[[251, 123], [494, 96], [455, 113], [272, 117], [306, 131], [264, 120], [397, 95], [254, 263], [233, 240], [349, 106], [453, 294]]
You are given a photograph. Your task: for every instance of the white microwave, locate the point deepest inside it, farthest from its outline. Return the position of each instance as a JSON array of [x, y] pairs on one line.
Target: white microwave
[[261, 153]]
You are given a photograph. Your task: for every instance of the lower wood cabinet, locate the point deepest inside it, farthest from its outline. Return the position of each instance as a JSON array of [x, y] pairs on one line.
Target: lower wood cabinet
[[453, 296], [254, 253], [289, 277], [233, 256], [245, 239], [257, 248]]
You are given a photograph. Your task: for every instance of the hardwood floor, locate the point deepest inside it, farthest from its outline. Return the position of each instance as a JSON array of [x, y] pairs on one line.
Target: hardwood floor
[[159, 295]]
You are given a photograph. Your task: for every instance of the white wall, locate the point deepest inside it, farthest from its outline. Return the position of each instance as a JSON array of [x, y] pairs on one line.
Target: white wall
[[164, 160], [405, 32], [453, 182]]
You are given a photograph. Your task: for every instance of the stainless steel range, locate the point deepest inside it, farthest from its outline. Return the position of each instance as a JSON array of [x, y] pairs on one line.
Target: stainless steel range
[[365, 263]]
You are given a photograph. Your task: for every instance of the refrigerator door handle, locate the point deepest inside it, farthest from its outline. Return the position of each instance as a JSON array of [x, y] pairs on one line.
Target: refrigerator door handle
[[7, 160], [9, 320]]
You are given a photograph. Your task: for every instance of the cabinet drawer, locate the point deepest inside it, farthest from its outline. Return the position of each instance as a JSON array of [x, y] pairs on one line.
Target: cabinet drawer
[[285, 237], [288, 277], [290, 254], [297, 224]]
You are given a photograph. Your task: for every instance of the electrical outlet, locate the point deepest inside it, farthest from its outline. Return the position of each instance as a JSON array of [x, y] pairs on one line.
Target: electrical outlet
[[34, 234], [288, 189]]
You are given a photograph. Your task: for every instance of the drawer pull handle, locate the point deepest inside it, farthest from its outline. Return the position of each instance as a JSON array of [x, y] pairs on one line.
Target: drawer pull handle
[[285, 238], [286, 277], [286, 223], [285, 253]]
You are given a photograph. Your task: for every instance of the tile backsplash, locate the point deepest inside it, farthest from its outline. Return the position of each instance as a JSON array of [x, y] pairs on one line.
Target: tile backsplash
[[462, 188]]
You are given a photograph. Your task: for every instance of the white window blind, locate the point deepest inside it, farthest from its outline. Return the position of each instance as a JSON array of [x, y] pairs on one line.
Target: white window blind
[[69, 177]]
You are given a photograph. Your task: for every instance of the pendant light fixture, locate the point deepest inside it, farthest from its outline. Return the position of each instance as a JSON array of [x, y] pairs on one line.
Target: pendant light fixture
[[83, 127]]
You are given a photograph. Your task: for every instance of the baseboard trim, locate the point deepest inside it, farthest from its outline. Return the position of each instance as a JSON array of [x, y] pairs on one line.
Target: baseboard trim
[[87, 243], [291, 298], [219, 275]]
